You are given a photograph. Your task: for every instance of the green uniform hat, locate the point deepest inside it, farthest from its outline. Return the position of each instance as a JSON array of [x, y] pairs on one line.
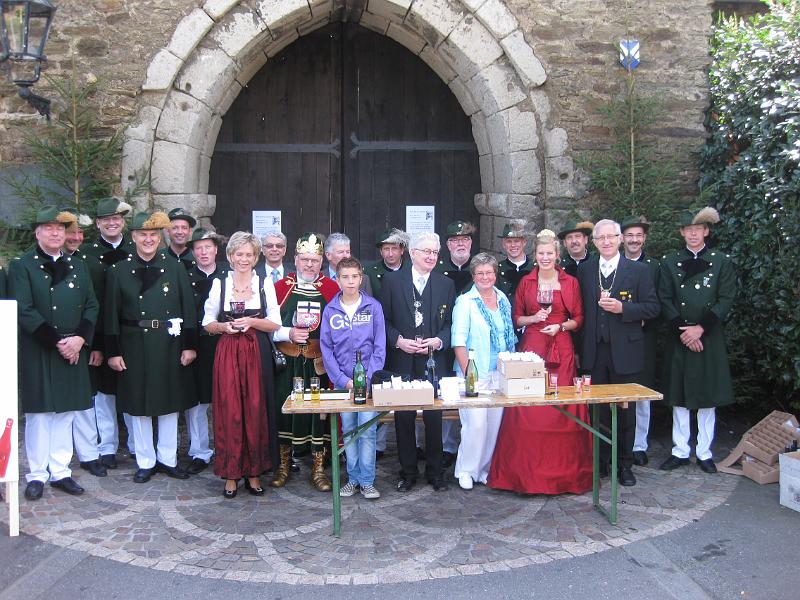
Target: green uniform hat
[[145, 220], [512, 231], [83, 221], [392, 236], [202, 234], [310, 243], [179, 213], [635, 222], [50, 214], [705, 216], [108, 207], [584, 227], [457, 228]]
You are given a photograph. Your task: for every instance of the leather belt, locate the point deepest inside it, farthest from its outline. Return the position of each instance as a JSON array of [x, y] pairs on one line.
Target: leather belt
[[146, 323], [310, 350]]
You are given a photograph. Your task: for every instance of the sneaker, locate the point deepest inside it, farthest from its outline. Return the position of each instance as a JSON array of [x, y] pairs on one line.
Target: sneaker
[[348, 489], [369, 492], [465, 481]]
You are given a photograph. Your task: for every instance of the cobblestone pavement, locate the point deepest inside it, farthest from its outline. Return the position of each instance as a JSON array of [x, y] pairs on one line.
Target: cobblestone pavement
[[187, 527]]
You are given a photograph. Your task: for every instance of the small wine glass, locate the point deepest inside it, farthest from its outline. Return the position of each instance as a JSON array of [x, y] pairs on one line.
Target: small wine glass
[[237, 312], [544, 297], [303, 319]]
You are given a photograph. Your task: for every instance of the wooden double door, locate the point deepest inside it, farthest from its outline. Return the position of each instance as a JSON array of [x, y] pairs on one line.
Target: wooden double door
[[340, 132]]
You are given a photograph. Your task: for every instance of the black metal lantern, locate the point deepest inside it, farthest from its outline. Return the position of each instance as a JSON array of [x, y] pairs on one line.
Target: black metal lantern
[[24, 27]]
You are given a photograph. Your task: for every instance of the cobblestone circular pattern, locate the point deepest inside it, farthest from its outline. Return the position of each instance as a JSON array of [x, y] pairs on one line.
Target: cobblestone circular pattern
[[285, 536]]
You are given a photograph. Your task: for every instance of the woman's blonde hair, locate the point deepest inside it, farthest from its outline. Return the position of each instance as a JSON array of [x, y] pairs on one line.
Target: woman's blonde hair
[[546, 236], [239, 239]]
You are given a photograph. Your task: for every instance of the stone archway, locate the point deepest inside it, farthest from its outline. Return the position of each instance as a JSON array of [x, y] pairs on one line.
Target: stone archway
[[475, 46]]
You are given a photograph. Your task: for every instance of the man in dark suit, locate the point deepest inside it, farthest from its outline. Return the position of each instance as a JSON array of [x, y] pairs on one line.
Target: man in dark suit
[[273, 251], [418, 306], [618, 295]]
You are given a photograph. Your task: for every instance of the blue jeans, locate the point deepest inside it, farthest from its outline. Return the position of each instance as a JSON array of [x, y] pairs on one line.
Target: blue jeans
[[361, 453]]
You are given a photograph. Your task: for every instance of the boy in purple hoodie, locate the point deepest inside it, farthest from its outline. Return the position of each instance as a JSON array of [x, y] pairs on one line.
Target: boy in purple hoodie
[[352, 321]]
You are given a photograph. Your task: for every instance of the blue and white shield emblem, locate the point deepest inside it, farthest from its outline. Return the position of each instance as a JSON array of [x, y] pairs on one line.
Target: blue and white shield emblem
[[629, 53]]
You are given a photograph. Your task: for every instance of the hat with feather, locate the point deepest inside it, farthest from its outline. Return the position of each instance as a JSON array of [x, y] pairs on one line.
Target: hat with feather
[[705, 216]]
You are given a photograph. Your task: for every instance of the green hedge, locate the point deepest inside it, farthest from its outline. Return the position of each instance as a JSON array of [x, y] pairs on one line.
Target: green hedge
[[750, 172]]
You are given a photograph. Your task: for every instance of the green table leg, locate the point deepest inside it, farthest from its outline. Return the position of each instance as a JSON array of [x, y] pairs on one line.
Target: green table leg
[[612, 517], [595, 456], [337, 501]]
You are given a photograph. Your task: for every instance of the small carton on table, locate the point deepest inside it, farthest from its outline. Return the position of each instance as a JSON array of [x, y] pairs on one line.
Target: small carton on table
[[402, 397], [528, 386], [790, 480], [521, 369]]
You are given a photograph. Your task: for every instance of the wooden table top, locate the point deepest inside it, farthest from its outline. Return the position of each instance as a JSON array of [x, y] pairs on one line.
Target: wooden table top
[[596, 394]]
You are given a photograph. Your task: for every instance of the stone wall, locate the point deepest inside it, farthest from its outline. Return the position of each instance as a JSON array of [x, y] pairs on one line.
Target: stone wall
[[574, 40]]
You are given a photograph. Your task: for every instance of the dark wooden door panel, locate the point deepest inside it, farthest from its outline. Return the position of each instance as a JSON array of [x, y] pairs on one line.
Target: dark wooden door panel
[[340, 132]]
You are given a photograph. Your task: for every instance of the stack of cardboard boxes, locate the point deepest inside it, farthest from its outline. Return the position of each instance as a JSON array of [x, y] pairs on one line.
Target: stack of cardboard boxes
[[521, 374]]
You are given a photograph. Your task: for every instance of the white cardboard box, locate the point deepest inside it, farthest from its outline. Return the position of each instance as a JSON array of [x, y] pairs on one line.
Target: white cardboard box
[[520, 369], [392, 397], [790, 480], [529, 386]]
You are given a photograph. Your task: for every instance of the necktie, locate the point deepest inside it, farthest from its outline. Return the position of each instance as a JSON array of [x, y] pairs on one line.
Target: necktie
[[275, 276], [420, 284]]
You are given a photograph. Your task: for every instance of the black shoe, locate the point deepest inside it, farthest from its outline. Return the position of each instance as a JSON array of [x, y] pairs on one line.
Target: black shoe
[[439, 484], [604, 470], [143, 475], [34, 490], [109, 461], [673, 462], [420, 454], [230, 494], [254, 491], [640, 458], [405, 485], [294, 466], [448, 459], [175, 472], [94, 467], [196, 466], [707, 465], [67, 484], [379, 454], [626, 477]]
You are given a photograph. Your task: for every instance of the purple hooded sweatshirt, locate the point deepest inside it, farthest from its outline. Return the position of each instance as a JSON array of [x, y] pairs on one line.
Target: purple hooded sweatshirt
[[340, 338]]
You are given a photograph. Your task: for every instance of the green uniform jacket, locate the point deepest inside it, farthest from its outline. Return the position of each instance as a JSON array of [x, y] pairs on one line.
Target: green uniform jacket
[[186, 258], [651, 329], [461, 276], [47, 313], [697, 379], [378, 270], [508, 276], [154, 382]]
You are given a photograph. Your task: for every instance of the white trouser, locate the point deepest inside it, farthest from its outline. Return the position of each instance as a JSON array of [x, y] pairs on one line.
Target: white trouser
[[197, 424], [84, 433], [129, 426], [681, 432], [479, 427], [105, 408], [380, 439], [167, 451], [642, 426], [48, 445], [450, 431]]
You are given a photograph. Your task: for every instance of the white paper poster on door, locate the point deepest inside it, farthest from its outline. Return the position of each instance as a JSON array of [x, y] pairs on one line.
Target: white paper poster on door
[[266, 221], [420, 219]]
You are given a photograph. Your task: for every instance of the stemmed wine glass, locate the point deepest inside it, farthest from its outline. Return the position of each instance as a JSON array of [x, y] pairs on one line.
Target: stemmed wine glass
[[544, 297], [237, 312], [303, 319]]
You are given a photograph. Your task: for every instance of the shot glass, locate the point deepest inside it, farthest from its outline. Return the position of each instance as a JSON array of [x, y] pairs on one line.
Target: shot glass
[[553, 382], [587, 381], [578, 383]]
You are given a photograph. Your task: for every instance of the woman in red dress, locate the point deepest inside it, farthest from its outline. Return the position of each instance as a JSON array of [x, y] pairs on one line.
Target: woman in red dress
[[540, 450]]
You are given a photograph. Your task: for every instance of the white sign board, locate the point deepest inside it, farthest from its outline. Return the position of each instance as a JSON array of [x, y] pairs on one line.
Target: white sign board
[[420, 219], [9, 418], [266, 221]]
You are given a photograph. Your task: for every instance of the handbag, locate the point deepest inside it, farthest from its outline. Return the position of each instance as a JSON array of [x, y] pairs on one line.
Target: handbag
[[278, 357]]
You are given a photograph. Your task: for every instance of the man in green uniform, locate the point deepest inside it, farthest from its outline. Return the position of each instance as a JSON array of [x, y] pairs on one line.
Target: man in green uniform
[[84, 424], [634, 237], [575, 237], [151, 339], [110, 247], [57, 312], [516, 264], [697, 288], [302, 297], [392, 245], [204, 246], [458, 239], [179, 233]]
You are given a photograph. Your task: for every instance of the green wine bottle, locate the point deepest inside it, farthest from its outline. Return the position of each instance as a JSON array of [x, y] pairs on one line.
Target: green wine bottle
[[471, 376], [359, 381]]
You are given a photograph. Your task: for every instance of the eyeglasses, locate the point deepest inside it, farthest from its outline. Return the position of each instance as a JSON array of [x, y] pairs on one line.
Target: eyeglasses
[[606, 238], [269, 246], [427, 251], [633, 236]]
